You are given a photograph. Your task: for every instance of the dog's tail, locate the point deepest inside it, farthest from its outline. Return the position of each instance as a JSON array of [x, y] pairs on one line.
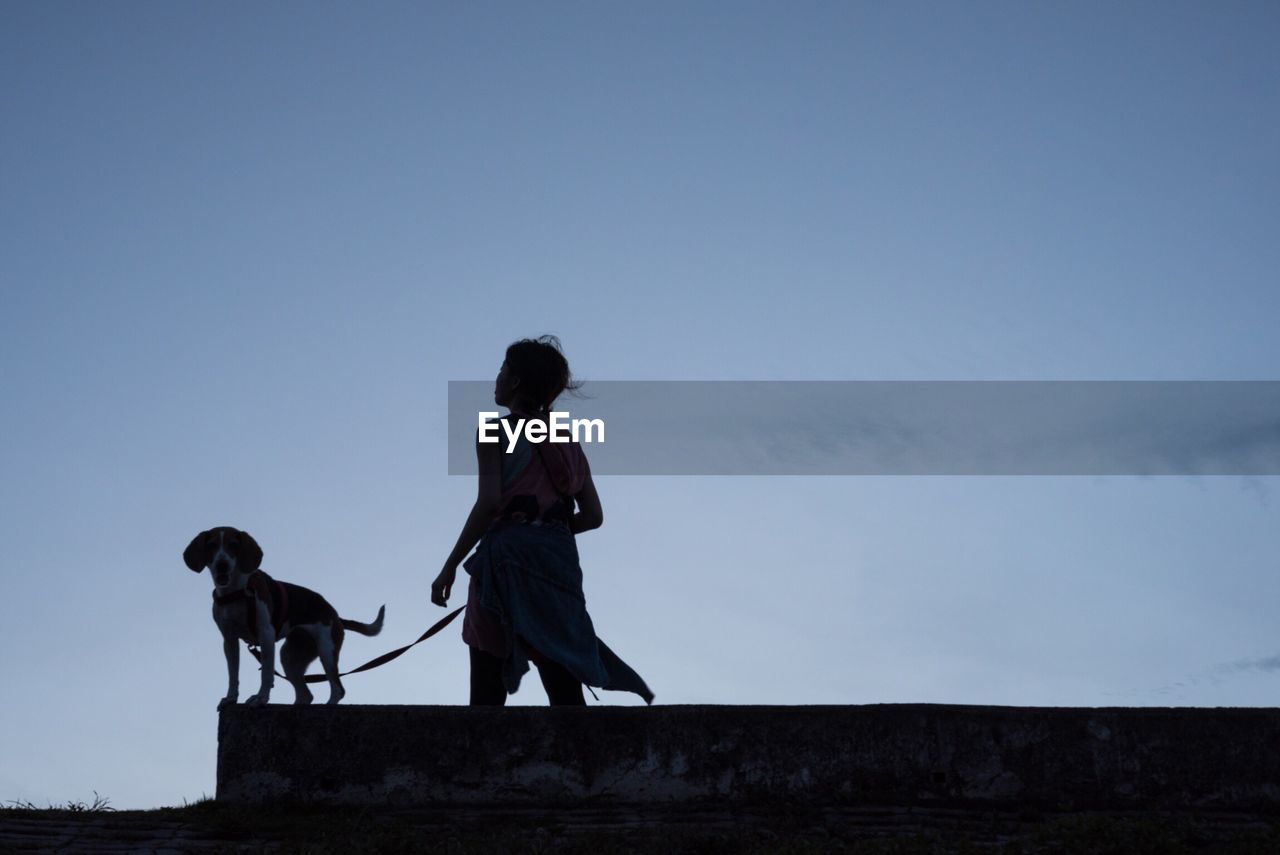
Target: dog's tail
[[365, 628]]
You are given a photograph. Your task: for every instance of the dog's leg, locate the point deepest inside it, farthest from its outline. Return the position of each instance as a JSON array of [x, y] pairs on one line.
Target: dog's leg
[[267, 650], [328, 644], [231, 649], [296, 654]]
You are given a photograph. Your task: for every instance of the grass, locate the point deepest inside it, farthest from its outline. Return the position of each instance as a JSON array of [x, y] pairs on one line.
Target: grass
[[99, 804]]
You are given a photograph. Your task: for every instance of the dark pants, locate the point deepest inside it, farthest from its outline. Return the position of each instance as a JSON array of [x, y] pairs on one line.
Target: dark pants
[[487, 688]]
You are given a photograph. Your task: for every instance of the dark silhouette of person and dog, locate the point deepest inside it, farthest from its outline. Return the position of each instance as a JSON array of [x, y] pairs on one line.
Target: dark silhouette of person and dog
[[525, 599]]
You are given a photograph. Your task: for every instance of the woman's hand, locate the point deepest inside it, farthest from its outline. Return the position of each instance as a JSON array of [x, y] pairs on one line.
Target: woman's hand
[[443, 585]]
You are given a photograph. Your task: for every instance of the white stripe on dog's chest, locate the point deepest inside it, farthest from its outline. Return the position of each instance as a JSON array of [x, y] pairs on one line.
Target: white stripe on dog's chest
[[233, 617]]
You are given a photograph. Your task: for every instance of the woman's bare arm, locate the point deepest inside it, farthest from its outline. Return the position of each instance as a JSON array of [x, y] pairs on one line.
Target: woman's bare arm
[[590, 514], [488, 494]]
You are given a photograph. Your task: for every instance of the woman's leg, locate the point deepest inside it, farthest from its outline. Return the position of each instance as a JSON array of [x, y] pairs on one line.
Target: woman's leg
[[563, 689], [487, 688]]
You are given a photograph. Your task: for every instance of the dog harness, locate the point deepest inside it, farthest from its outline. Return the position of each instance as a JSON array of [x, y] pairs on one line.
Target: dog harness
[[259, 588]]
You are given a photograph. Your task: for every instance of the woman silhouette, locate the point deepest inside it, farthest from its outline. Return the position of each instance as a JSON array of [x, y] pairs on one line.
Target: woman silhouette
[[525, 600]]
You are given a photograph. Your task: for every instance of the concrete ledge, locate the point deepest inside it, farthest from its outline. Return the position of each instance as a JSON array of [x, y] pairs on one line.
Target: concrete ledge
[[927, 755]]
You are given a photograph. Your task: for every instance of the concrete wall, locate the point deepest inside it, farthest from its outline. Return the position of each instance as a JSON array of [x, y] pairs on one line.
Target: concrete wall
[[885, 754]]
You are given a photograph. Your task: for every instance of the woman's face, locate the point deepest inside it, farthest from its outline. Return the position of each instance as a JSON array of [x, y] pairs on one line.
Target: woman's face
[[504, 387]]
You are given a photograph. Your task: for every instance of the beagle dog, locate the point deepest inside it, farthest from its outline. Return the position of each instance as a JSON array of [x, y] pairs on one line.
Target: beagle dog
[[250, 605]]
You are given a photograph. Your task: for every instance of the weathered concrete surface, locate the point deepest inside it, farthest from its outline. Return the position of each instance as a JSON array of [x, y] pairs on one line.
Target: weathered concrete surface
[[928, 755]]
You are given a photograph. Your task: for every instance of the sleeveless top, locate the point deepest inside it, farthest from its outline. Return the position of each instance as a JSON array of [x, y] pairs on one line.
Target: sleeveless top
[[540, 479]]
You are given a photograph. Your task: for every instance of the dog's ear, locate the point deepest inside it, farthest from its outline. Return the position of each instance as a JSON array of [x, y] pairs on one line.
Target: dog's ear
[[250, 554], [199, 551]]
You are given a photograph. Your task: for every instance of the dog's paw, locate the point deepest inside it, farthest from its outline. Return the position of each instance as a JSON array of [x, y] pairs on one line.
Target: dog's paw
[[255, 701], [226, 702]]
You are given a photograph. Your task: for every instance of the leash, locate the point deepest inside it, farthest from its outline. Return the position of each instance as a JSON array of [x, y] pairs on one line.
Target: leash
[[372, 663]]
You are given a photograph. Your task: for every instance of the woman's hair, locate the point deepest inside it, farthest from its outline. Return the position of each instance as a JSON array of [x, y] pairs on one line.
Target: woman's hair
[[542, 369]]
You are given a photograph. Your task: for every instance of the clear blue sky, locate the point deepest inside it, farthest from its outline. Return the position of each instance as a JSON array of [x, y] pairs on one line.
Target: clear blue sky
[[244, 248]]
